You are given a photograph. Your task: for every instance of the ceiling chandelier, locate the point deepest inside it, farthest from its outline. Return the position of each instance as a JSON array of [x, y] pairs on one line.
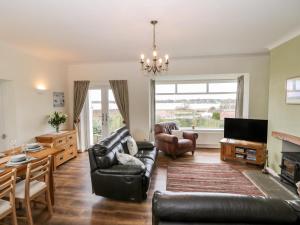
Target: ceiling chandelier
[[157, 64]]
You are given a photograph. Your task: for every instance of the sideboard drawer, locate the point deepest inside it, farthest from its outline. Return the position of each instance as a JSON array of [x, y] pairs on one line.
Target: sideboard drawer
[[69, 153], [60, 141], [71, 138], [59, 159]]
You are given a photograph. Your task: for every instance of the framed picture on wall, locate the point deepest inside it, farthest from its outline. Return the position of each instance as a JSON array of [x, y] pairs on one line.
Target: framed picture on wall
[[58, 99], [293, 90]]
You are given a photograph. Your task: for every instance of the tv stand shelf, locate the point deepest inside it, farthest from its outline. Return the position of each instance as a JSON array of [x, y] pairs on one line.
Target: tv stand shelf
[[244, 151]]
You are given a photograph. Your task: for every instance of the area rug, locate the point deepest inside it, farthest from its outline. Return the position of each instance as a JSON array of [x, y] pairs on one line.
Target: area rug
[[208, 177]]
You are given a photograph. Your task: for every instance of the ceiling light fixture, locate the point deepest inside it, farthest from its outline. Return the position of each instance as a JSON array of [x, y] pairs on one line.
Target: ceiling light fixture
[[157, 65]]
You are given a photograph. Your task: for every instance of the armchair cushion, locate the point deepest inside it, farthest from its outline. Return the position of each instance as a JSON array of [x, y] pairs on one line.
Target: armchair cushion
[[166, 138], [177, 133], [185, 144]]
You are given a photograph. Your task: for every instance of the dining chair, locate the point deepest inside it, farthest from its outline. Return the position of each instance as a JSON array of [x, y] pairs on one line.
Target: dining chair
[[7, 190], [35, 185]]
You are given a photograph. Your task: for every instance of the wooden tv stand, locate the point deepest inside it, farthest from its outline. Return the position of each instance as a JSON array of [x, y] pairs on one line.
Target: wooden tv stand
[[244, 151]]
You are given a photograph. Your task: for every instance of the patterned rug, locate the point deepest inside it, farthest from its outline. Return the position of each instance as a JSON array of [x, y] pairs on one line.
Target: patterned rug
[[208, 177]]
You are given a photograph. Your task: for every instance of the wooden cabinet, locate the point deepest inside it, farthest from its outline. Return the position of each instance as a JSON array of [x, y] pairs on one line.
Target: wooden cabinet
[[65, 142], [245, 151]]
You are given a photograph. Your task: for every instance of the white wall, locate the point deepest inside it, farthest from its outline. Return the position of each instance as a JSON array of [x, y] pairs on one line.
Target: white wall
[[27, 109], [257, 66]]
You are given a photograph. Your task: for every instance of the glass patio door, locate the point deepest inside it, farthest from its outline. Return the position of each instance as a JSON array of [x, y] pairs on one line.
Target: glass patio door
[[104, 116]]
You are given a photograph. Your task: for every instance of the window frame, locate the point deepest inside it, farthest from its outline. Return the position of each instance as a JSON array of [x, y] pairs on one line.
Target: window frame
[[207, 82]]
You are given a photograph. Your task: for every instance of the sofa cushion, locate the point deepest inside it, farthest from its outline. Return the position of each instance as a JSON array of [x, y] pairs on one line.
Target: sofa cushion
[[132, 146], [221, 208], [105, 151], [123, 170], [144, 145], [126, 159], [147, 154]]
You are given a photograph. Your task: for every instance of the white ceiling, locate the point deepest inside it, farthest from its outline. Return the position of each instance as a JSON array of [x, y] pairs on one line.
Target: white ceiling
[[111, 30]]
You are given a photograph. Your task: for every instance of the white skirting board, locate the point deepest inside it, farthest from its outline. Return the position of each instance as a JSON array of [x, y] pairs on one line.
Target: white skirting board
[[209, 138]]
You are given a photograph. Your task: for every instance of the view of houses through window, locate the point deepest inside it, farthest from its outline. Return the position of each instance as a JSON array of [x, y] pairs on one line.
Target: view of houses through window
[[202, 104]]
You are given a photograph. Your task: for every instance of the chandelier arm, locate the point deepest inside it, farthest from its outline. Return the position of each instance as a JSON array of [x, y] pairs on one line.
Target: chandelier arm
[[154, 44]]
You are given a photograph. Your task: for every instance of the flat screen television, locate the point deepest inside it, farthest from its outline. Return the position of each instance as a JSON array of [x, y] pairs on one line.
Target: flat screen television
[[246, 129]]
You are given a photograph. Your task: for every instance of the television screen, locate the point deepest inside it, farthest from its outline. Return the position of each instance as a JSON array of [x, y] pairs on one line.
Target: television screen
[[246, 129]]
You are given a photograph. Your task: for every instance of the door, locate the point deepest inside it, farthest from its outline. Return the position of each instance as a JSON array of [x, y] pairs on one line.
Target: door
[[104, 116]]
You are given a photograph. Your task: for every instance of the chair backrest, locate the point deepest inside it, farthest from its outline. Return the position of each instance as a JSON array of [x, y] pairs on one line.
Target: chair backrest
[[165, 127], [7, 186], [37, 171]]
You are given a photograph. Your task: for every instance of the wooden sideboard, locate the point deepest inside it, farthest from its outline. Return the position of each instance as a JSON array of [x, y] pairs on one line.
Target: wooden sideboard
[[65, 142], [245, 151]]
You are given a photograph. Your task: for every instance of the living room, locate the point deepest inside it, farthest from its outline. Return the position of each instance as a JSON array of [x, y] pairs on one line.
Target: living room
[[88, 62]]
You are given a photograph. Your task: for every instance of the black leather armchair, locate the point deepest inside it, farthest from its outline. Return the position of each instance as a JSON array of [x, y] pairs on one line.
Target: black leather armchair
[[112, 180], [217, 209]]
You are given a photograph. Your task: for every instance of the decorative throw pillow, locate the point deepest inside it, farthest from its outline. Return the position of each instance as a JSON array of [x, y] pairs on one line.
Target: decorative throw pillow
[[132, 146], [177, 133], [126, 159]]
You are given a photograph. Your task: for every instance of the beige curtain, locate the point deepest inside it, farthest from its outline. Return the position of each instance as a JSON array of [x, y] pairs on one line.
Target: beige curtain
[[80, 92], [152, 109], [120, 91], [239, 97]]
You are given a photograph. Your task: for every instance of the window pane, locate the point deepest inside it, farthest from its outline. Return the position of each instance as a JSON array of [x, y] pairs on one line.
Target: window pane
[[95, 106], [191, 88], [165, 88], [199, 110], [111, 97], [222, 87], [297, 85], [115, 118]]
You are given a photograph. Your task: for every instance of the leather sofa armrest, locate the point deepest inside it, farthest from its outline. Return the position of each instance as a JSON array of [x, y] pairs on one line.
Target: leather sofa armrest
[[216, 207], [123, 170], [144, 145], [190, 135], [166, 138]]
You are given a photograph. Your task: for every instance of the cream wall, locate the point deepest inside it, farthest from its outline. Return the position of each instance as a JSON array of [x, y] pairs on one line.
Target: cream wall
[[284, 64], [26, 109], [257, 66]]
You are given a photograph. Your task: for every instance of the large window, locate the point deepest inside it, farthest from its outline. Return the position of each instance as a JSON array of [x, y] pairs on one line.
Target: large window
[[202, 104]]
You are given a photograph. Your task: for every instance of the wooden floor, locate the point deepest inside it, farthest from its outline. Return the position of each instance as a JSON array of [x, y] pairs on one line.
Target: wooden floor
[[76, 205]]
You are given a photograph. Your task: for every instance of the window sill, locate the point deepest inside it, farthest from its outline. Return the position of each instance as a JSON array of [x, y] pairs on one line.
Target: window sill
[[205, 130]]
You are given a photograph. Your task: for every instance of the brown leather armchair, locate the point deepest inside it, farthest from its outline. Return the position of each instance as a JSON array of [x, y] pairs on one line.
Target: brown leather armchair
[[170, 144]]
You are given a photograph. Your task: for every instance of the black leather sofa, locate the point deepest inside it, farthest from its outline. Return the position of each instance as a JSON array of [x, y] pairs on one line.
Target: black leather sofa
[[121, 182], [218, 209]]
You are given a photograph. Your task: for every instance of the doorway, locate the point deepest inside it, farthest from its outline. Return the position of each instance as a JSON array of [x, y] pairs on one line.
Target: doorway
[[104, 115]]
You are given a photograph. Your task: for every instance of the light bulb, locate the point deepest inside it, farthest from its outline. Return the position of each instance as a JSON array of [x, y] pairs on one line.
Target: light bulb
[[154, 53], [160, 60], [148, 61], [41, 87], [167, 57], [142, 56]]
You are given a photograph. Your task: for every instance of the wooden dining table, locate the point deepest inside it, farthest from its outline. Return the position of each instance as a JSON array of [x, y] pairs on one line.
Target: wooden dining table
[[21, 169]]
